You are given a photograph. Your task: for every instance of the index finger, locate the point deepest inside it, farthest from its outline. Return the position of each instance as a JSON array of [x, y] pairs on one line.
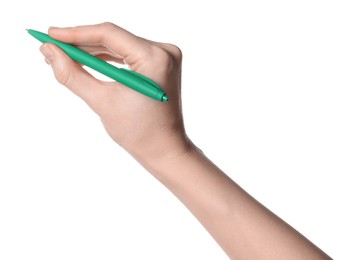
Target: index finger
[[118, 39]]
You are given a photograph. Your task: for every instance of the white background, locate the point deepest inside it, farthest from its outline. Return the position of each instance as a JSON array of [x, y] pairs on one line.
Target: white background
[[264, 94]]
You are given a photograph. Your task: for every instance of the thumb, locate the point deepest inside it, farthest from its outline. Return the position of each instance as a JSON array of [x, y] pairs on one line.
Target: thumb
[[69, 73]]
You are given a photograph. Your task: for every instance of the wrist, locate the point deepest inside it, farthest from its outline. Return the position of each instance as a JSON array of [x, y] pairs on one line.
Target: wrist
[[155, 155]]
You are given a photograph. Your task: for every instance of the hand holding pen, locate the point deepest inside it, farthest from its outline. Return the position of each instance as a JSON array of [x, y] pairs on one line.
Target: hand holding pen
[[132, 119]]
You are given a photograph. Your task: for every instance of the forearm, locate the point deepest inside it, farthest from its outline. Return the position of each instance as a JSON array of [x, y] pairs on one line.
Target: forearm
[[240, 225]]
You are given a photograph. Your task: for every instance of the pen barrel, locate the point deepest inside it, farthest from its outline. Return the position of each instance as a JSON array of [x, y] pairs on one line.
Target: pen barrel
[[120, 75], [128, 78]]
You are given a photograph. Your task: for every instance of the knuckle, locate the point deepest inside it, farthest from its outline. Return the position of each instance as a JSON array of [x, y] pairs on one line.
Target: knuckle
[[161, 54], [168, 54], [175, 51], [104, 29], [165, 61], [106, 25]]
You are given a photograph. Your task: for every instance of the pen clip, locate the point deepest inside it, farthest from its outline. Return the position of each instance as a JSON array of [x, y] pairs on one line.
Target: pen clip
[[140, 76]]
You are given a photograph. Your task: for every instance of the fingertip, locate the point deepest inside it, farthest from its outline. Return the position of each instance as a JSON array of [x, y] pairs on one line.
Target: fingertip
[[54, 49], [47, 52], [59, 61], [52, 29], [57, 32]]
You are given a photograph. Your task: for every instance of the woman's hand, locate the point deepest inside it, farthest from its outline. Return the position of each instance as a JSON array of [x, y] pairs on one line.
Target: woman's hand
[[144, 127]]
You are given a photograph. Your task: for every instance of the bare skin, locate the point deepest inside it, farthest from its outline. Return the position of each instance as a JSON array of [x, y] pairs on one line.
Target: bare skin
[[153, 133]]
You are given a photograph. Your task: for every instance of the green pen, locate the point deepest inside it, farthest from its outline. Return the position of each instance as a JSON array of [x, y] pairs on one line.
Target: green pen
[[126, 77]]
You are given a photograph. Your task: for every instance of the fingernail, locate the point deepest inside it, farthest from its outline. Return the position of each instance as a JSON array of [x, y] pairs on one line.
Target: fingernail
[[57, 28], [53, 28], [47, 52]]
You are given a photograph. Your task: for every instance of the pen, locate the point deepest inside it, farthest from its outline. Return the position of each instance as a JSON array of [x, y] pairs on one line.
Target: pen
[[126, 77]]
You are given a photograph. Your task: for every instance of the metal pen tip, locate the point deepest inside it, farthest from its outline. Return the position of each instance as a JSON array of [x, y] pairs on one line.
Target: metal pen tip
[[164, 98]]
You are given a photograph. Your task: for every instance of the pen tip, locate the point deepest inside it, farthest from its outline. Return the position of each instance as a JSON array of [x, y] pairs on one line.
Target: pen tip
[[164, 98], [27, 29]]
